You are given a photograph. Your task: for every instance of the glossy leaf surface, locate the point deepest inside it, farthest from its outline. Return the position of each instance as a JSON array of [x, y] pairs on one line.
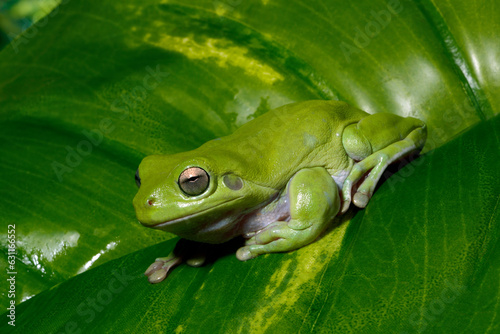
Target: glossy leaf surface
[[415, 259], [92, 88]]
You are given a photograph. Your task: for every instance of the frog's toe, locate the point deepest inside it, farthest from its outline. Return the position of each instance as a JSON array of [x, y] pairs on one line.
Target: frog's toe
[[273, 231], [244, 254], [252, 251], [159, 269], [196, 261], [361, 200], [346, 196], [277, 245], [157, 276], [153, 267], [345, 206]]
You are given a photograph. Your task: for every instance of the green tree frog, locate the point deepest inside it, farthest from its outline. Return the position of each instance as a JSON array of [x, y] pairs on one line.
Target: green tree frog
[[278, 180]]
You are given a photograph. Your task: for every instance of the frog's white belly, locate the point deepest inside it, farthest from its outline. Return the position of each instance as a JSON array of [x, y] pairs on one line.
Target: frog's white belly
[[245, 223], [340, 177], [276, 210]]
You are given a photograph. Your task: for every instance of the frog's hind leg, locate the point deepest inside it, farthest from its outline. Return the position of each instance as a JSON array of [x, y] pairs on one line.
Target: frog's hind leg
[[375, 142]]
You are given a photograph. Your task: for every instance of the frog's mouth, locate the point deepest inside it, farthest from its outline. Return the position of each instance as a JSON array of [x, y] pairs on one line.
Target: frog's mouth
[[163, 225]]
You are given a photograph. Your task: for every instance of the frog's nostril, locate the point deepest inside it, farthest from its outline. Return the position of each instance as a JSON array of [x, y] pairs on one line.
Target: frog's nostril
[[151, 201]]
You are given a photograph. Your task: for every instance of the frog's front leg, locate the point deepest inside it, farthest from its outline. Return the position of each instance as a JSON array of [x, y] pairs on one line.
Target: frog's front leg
[[191, 252], [314, 200], [375, 142]]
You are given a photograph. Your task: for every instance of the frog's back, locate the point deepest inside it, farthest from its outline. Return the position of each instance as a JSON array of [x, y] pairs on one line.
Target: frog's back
[[284, 140]]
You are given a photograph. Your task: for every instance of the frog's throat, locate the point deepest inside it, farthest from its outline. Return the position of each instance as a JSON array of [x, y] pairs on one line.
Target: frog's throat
[[161, 225]]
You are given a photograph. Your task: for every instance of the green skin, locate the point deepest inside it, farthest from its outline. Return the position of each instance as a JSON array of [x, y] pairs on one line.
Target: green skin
[[278, 181]]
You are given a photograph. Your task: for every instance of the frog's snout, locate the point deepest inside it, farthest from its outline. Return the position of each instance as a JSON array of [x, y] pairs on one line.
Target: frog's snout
[[143, 208], [144, 201]]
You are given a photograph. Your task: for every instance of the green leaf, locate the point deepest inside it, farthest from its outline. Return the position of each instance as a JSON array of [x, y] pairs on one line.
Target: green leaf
[[93, 87], [411, 261]]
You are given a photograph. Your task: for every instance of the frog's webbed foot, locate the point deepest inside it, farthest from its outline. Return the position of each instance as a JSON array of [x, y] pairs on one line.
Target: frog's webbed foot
[[276, 237], [159, 269], [185, 251]]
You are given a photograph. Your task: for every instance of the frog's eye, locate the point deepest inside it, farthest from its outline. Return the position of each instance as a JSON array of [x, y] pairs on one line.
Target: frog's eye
[[193, 181], [137, 179]]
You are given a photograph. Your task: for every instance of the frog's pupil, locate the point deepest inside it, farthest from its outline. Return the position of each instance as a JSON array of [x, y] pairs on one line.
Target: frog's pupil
[[193, 181]]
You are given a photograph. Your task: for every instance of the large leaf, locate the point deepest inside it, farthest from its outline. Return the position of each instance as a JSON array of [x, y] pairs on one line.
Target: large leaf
[[153, 77], [421, 264]]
